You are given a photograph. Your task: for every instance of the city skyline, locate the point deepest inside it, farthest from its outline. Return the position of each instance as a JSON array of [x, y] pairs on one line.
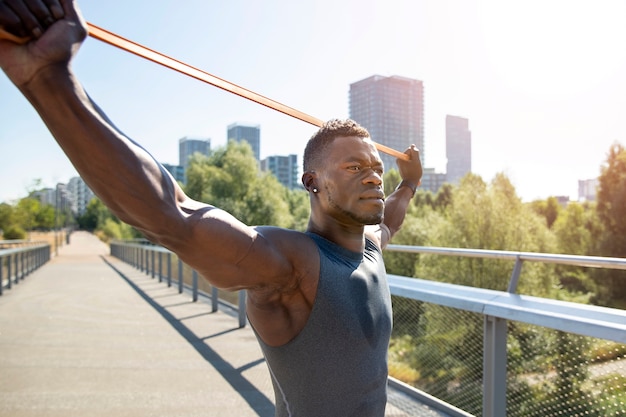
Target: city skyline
[[539, 82]]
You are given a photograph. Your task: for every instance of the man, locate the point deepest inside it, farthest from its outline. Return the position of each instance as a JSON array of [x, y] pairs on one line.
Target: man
[[318, 301]]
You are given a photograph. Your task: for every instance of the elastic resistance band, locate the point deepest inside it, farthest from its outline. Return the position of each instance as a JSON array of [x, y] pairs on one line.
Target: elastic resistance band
[[159, 58]]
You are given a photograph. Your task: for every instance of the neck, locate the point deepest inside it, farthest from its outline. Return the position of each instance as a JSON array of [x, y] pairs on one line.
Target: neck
[[351, 238]]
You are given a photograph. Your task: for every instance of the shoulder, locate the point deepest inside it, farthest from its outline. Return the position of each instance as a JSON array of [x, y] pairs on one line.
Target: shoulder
[[379, 234]]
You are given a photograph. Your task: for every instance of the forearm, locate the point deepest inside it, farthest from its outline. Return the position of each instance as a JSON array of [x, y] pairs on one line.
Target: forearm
[[121, 173], [396, 206]]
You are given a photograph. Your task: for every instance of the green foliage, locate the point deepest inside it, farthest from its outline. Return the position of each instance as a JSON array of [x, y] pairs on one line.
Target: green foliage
[[488, 216], [548, 208], [6, 216], [611, 210], [229, 179], [112, 229], [14, 232], [95, 215]]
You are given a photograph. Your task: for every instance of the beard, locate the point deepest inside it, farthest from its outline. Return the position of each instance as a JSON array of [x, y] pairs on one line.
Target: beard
[[364, 219]]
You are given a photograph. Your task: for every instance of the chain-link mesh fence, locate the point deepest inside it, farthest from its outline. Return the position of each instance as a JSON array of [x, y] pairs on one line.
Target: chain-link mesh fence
[[439, 350]]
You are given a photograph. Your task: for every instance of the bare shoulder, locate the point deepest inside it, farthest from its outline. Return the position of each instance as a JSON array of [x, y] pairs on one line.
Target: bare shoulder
[[379, 234], [296, 246]]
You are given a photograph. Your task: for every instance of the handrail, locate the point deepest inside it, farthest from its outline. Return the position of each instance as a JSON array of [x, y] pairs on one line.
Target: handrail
[[562, 259], [17, 263]]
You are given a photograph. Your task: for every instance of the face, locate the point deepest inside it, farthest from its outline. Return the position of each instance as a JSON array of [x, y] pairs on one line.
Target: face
[[352, 181]]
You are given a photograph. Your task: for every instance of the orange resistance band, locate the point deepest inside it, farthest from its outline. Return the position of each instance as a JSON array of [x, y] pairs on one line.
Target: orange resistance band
[[159, 58]]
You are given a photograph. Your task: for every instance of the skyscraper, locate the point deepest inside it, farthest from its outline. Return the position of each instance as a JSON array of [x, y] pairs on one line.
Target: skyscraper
[[187, 147], [248, 133], [284, 168], [81, 195], [458, 148], [392, 110]]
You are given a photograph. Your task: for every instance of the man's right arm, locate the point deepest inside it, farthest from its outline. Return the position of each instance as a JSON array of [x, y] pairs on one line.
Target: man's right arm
[[124, 175]]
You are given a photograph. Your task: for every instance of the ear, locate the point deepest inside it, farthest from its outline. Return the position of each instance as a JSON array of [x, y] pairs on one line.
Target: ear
[[309, 180]]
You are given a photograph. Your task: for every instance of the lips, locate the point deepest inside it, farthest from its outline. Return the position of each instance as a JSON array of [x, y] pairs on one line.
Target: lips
[[373, 195]]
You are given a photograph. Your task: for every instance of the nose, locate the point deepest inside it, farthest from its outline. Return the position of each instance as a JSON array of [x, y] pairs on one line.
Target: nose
[[373, 177]]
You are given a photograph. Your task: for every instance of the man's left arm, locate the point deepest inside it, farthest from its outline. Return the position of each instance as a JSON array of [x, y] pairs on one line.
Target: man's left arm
[[397, 203]]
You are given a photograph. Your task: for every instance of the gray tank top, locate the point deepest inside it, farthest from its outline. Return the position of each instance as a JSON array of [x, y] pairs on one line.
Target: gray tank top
[[337, 365]]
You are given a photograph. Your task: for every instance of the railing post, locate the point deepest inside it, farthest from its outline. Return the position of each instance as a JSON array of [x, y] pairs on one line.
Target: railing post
[[152, 268], [194, 286], [494, 367], [9, 271], [169, 269], [214, 299], [160, 267], [1, 275], [517, 270], [242, 308], [180, 276]]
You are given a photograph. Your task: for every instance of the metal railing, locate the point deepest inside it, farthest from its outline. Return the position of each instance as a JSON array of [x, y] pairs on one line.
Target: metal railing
[[163, 264], [21, 259], [497, 309]]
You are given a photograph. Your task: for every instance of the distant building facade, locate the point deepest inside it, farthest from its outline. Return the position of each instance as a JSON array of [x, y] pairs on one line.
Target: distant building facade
[[392, 110], [80, 194], [177, 171], [588, 189], [432, 181], [187, 147], [458, 148], [284, 168], [248, 133]]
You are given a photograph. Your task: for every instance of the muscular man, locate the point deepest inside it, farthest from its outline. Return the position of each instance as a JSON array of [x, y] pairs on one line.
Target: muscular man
[[318, 301]]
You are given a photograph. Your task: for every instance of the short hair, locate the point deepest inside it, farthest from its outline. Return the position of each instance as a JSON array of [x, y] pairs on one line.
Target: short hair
[[328, 132]]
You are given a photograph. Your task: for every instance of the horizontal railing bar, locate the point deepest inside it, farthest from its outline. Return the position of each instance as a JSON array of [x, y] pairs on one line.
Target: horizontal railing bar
[[575, 260], [586, 320], [13, 251]]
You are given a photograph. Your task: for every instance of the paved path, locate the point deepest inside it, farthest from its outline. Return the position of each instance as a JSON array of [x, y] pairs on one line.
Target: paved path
[[87, 335]]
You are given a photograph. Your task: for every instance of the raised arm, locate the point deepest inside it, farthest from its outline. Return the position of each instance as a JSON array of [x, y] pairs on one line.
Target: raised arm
[[119, 171], [397, 203]]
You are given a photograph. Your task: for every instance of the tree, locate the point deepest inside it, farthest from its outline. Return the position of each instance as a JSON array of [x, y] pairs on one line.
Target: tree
[[230, 179], [6, 216], [575, 230], [548, 208], [612, 212], [26, 213]]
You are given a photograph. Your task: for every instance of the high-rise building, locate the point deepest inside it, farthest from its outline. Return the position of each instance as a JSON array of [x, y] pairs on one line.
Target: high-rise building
[[458, 148], [187, 147], [392, 110], [284, 168], [248, 133], [588, 189], [81, 195], [432, 181], [177, 171]]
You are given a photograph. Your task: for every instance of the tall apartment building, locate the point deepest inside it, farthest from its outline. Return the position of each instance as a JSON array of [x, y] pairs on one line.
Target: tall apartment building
[[432, 181], [80, 194], [187, 147], [249, 133], [458, 148], [392, 110], [177, 171], [284, 168], [588, 189]]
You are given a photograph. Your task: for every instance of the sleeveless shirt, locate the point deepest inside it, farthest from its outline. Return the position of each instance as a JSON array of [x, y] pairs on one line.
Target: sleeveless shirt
[[337, 365]]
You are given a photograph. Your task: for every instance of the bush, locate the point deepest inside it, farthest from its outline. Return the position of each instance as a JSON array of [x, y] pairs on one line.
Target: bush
[[14, 232]]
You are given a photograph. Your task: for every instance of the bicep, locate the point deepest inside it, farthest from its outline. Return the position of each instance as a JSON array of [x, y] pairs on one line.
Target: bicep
[[227, 252]]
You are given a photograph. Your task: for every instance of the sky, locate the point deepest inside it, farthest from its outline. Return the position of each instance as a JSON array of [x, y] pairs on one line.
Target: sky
[[540, 81]]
